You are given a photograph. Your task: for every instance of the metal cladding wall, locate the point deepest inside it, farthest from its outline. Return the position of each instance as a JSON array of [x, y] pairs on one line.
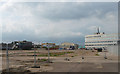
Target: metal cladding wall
[[113, 49]]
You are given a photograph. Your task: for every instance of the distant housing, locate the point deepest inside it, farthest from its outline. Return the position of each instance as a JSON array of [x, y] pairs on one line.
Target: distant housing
[[70, 46]]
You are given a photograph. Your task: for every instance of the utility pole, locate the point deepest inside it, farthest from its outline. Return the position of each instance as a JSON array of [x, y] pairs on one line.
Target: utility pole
[[7, 58]]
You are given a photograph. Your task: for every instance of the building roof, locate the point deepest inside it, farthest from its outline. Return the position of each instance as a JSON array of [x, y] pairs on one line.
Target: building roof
[[66, 43]]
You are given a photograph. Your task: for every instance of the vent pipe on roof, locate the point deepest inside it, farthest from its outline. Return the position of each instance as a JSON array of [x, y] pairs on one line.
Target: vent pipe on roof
[[103, 32], [98, 31]]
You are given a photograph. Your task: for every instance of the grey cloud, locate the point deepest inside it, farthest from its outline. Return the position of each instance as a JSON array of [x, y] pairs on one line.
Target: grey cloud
[[62, 11], [44, 21]]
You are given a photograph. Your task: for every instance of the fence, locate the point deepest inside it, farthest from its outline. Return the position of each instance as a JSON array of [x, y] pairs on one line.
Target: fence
[[113, 49], [0, 58], [26, 60]]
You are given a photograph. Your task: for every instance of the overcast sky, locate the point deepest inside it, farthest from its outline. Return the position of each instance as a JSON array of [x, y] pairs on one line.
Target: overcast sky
[[56, 21]]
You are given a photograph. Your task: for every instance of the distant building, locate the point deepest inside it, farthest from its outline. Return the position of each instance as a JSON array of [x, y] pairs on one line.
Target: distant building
[[48, 44], [45, 44], [101, 40], [4, 46], [67, 45], [52, 46], [37, 45], [81, 47], [25, 45]]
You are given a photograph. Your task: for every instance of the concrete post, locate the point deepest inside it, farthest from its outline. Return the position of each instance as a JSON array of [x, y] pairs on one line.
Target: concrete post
[[82, 53], [7, 59], [105, 54], [35, 66], [34, 57], [48, 54]]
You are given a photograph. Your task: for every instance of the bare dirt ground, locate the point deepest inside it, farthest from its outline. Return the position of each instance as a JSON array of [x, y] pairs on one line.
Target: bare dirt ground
[[23, 61]]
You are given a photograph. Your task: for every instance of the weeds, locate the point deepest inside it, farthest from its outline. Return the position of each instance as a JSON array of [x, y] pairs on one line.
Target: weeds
[[55, 54], [97, 54]]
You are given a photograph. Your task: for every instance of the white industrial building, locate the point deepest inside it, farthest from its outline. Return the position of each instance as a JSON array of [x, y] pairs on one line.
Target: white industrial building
[[101, 40]]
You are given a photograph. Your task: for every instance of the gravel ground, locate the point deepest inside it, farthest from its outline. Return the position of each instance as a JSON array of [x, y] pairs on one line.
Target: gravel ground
[[19, 61]]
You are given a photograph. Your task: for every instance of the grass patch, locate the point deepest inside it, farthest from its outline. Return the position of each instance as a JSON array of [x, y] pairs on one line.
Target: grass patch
[[42, 55], [33, 52], [97, 54], [55, 54], [42, 60], [46, 65], [70, 52]]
